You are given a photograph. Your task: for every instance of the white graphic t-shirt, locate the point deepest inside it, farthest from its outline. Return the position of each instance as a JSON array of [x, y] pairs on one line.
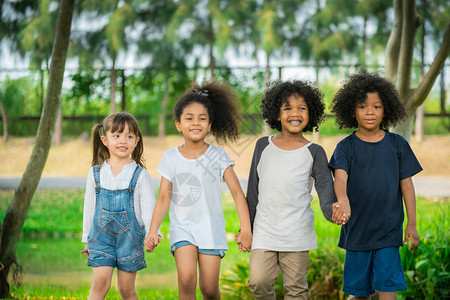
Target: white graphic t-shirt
[[195, 211]]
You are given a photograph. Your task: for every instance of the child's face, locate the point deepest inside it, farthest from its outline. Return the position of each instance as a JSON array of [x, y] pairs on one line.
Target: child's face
[[294, 115], [120, 144], [194, 122], [370, 113]]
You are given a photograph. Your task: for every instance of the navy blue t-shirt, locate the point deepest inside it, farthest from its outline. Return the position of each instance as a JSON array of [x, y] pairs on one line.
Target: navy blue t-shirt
[[373, 188]]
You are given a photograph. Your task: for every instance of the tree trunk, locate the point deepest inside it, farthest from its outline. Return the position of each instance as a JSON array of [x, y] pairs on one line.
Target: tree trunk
[[4, 120], [162, 113], [399, 56], [405, 127], [113, 84], [124, 99], [17, 212], [420, 116], [57, 137], [265, 127]]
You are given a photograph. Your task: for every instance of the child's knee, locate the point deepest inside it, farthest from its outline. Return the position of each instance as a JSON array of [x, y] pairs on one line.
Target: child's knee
[[210, 291], [260, 282], [126, 291], [187, 281]]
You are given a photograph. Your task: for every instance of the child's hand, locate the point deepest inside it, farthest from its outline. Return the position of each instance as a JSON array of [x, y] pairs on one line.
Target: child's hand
[[244, 240], [341, 213], [85, 251], [151, 241], [411, 234]]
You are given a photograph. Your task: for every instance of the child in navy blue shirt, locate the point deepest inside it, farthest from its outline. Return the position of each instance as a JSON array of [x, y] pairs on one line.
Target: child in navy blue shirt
[[372, 169]]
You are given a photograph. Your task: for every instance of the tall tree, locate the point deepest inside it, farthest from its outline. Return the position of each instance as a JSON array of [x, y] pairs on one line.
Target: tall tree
[[17, 211], [36, 36], [11, 99], [110, 39], [167, 58], [399, 59]]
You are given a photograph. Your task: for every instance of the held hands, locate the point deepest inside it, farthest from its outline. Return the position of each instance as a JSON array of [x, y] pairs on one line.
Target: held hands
[[151, 241], [244, 240], [412, 235], [85, 251], [341, 213]]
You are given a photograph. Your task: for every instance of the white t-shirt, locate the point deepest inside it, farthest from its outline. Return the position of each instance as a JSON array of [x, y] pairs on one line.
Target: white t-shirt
[[195, 211], [144, 194]]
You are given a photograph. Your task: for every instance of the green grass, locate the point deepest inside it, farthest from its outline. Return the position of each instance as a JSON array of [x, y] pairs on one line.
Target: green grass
[[49, 248]]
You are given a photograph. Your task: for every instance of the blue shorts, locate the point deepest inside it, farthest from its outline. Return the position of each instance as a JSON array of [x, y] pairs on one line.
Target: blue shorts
[[179, 244], [377, 270]]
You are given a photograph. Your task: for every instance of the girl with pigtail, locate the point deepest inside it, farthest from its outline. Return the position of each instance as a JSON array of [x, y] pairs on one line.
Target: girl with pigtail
[[191, 176], [118, 206]]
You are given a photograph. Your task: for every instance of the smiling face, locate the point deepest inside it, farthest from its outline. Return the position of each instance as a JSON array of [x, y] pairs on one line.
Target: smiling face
[[194, 122], [120, 144], [369, 114], [294, 115]]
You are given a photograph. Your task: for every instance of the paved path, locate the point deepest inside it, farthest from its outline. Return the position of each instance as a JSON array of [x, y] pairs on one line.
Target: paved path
[[427, 186]]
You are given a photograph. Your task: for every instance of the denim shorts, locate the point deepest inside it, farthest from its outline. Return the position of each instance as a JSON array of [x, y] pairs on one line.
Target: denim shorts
[[377, 270], [179, 244]]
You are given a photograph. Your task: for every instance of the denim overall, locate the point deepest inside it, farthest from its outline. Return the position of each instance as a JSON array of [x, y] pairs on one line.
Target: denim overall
[[116, 239]]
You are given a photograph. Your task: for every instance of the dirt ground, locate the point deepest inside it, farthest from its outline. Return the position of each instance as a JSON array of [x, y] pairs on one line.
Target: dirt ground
[[73, 156]]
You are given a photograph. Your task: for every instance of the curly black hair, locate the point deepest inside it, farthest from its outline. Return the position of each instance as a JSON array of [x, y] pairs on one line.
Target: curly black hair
[[277, 94], [355, 91], [221, 103]]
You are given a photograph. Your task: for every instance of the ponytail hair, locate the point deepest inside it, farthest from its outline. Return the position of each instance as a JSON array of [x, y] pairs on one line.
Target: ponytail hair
[[112, 123], [221, 104]]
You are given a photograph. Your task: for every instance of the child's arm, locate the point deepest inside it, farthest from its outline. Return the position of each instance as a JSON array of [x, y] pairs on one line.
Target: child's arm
[[409, 197], [161, 207], [341, 209], [88, 210], [245, 236], [323, 181]]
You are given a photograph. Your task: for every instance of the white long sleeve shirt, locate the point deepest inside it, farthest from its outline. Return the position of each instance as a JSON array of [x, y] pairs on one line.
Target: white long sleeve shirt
[[144, 194]]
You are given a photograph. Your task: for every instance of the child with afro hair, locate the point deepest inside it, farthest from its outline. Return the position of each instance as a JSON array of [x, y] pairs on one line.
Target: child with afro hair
[[372, 169], [284, 168]]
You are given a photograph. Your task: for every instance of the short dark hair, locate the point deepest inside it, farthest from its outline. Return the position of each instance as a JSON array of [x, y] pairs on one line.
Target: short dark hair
[[355, 91], [277, 94]]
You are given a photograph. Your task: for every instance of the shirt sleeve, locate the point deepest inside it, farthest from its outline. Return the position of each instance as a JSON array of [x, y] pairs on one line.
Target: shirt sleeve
[[164, 167], [323, 182], [147, 200], [89, 205], [253, 180], [409, 165], [224, 161], [339, 159]]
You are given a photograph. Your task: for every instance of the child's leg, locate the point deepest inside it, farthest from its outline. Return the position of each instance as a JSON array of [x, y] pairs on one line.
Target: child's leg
[[294, 267], [186, 258], [101, 282], [126, 284], [387, 295], [264, 270], [209, 268]]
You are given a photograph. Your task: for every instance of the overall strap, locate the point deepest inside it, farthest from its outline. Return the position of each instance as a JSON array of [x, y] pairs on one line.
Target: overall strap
[[96, 169], [134, 179]]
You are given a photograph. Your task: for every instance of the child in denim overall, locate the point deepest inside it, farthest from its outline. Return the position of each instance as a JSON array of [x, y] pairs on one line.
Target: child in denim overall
[[373, 169], [118, 205], [191, 177]]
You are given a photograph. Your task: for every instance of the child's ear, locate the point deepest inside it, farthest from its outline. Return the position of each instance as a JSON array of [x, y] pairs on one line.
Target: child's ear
[[104, 140], [178, 125]]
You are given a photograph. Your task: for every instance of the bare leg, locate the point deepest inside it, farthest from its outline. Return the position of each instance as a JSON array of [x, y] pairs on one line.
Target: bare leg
[[101, 282], [387, 295], [126, 284], [209, 267], [186, 258]]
